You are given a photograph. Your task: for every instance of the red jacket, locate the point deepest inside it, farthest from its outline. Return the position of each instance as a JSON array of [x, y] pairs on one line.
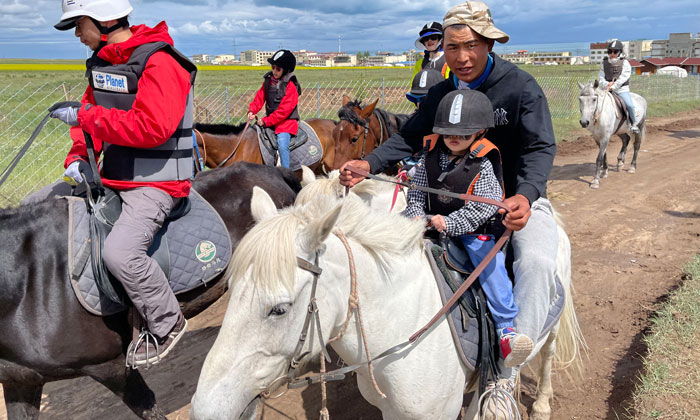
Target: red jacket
[[279, 118], [156, 112]]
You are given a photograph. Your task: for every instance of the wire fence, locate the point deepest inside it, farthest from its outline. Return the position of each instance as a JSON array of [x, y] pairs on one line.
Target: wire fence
[[23, 105]]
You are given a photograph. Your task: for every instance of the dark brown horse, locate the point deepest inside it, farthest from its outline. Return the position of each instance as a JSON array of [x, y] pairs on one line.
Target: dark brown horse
[[223, 143], [46, 335], [362, 129]]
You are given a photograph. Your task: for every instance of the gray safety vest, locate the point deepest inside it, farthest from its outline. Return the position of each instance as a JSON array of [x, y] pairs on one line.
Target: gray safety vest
[[274, 94], [613, 71], [115, 86]]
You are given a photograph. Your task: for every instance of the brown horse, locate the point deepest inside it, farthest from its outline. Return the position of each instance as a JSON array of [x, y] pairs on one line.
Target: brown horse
[[362, 129], [222, 144]]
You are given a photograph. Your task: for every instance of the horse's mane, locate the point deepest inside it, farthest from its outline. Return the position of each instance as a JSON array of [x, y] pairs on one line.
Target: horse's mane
[[269, 248], [222, 129], [348, 113], [331, 187]]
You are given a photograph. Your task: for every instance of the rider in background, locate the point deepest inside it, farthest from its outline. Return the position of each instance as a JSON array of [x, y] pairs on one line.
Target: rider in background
[[280, 103], [422, 82], [614, 74], [429, 39], [463, 161], [138, 110]]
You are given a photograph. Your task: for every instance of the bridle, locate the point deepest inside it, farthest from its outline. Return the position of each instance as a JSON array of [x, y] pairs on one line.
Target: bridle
[[233, 152], [365, 123]]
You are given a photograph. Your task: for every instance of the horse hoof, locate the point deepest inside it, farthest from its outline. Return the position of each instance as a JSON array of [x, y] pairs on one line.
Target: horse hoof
[[595, 185], [605, 175], [632, 170]]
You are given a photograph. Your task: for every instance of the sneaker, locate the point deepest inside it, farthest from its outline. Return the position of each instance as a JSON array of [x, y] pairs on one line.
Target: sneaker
[[634, 129], [150, 351], [515, 347], [498, 402]]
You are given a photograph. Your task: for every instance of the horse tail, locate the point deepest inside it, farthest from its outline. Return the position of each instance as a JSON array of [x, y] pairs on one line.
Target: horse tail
[[570, 343]]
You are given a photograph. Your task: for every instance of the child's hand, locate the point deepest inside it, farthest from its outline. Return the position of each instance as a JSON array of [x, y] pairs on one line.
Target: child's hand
[[438, 222], [250, 115], [261, 123]]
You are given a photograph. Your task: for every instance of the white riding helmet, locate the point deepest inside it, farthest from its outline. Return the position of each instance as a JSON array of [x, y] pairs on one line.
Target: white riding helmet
[[100, 10]]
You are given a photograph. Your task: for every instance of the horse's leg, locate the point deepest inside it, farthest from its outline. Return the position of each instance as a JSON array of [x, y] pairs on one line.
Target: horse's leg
[[603, 146], [540, 408], [605, 166], [638, 137], [621, 157], [22, 401], [128, 384]]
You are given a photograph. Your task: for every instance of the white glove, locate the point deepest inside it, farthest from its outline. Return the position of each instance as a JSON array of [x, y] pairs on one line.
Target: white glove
[[68, 115], [72, 174]]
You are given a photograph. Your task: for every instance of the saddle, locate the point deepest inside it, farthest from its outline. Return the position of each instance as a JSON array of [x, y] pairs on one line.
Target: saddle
[[304, 149], [621, 108], [192, 248]]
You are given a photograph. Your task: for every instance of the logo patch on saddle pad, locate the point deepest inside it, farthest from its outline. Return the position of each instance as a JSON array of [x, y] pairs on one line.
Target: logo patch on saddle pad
[[205, 251]]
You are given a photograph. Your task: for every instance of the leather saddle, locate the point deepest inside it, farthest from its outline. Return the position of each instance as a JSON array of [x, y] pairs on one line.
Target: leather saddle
[[621, 107], [269, 139], [103, 213]]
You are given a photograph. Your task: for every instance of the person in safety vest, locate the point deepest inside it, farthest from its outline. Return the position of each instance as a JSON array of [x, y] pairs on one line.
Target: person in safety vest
[[614, 74], [138, 111], [429, 40], [422, 82], [524, 136], [280, 103], [464, 161]]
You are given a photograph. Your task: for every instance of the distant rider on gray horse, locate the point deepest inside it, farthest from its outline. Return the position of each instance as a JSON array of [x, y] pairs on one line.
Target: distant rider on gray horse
[[614, 74]]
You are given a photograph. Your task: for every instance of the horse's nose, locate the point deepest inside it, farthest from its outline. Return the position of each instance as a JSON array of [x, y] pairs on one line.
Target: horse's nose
[[583, 123]]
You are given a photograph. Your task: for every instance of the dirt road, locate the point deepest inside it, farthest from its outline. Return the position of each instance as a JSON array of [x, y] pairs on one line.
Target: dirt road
[[629, 239]]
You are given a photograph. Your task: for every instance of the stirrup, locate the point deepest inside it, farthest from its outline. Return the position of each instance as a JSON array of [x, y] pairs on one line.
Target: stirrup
[[145, 338], [500, 398]]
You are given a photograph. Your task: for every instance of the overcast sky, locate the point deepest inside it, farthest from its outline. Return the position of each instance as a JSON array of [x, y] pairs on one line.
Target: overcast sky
[[210, 26]]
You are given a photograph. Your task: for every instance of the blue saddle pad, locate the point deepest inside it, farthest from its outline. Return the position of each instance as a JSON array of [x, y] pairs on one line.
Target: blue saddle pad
[[198, 247]]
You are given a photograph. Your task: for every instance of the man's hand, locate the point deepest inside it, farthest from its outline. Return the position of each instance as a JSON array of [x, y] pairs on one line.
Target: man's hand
[[66, 112], [75, 171], [517, 218], [349, 178], [438, 222]]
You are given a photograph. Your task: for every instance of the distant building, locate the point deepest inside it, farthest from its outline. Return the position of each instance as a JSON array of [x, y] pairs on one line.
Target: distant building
[[384, 59], [599, 50], [639, 49], [224, 59], [201, 58], [653, 65], [678, 45], [255, 57]]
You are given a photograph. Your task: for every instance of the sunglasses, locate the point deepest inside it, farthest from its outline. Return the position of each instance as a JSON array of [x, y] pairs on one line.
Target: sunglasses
[[613, 52], [431, 38]]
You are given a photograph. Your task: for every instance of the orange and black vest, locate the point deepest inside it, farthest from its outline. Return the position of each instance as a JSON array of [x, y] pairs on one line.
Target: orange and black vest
[[459, 178]]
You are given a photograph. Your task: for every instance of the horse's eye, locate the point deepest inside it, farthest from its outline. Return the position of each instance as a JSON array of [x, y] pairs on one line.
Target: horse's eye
[[354, 139], [279, 310]]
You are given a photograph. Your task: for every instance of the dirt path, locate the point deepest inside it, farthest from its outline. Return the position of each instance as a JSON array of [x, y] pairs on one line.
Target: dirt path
[[630, 240]]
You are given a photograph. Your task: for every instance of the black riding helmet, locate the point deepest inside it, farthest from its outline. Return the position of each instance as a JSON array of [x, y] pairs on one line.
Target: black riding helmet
[[284, 59], [615, 45], [422, 82], [463, 113], [430, 28]]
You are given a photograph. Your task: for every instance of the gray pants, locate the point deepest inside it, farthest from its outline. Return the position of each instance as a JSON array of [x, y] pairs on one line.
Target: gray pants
[[144, 210], [534, 266]]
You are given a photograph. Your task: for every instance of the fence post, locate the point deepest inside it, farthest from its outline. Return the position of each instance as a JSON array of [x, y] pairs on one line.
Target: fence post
[[383, 100], [228, 112], [318, 101], [568, 95]]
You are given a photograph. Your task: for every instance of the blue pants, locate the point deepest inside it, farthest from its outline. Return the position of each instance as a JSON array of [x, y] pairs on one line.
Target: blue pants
[[283, 148], [494, 279], [627, 99]]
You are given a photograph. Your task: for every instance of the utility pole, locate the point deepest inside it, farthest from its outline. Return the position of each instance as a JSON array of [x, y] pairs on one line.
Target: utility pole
[[234, 47], [338, 43]]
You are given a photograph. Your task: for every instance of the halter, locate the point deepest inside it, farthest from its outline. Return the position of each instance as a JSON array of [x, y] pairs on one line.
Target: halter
[[365, 123]]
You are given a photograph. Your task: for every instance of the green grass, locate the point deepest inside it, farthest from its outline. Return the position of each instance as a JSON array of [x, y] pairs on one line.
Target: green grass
[[668, 386]]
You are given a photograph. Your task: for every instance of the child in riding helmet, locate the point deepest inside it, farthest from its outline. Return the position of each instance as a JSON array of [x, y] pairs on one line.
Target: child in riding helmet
[[614, 74], [430, 40], [280, 103], [422, 82], [463, 161]]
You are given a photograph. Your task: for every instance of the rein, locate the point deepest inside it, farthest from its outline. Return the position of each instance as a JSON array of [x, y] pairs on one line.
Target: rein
[[11, 166], [233, 152]]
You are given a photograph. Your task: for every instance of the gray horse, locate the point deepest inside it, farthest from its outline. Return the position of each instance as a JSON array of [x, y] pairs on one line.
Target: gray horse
[[600, 115]]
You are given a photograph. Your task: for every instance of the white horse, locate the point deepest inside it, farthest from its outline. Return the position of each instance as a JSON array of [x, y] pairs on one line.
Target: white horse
[[600, 116], [397, 294]]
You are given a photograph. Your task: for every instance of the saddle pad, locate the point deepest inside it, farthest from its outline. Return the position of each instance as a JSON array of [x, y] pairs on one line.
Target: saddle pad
[[466, 332], [307, 154], [199, 249]]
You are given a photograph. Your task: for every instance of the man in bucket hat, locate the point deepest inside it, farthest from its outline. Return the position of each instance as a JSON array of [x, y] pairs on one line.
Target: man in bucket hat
[[523, 133]]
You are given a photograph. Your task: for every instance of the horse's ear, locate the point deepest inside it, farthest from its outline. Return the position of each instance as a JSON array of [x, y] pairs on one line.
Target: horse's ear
[[595, 84], [368, 110], [307, 176], [261, 205], [581, 85], [346, 99], [316, 232]]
